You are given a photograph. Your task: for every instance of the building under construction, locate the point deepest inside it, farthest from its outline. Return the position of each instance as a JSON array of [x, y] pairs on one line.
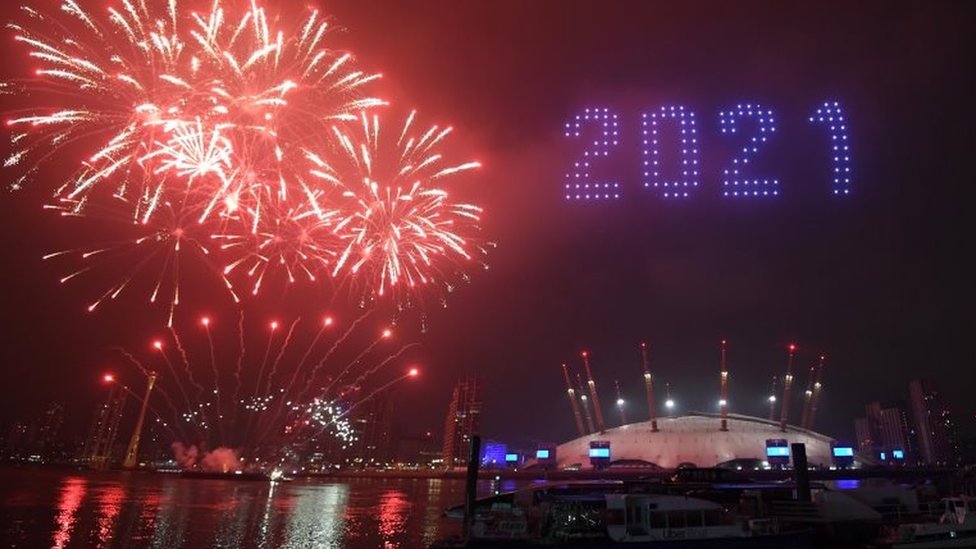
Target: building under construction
[[99, 450]]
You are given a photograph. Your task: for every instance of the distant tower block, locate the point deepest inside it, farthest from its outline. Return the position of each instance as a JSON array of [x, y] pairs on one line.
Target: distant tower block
[[463, 421], [649, 388], [597, 411], [787, 388], [572, 401]]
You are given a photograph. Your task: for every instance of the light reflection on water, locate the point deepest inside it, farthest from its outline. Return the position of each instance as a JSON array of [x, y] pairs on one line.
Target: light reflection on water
[[72, 493], [46, 508], [109, 506]]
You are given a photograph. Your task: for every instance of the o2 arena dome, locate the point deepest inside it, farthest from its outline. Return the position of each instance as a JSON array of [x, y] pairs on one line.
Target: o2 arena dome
[[693, 439]]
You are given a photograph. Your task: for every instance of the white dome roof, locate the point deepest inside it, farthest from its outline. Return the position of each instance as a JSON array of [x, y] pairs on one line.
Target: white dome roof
[[694, 438]]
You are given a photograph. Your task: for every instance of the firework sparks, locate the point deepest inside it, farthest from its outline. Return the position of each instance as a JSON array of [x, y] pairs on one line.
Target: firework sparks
[[232, 134], [400, 231], [157, 90], [277, 413]]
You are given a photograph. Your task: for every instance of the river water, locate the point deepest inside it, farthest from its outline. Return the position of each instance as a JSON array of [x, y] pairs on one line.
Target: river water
[[60, 509]]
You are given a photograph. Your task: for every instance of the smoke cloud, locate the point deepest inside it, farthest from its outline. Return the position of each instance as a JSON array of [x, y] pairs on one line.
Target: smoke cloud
[[220, 460]]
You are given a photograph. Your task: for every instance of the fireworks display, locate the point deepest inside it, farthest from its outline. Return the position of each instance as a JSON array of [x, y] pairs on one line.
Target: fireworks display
[[218, 387], [242, 141], [401, 223], [239, 139]]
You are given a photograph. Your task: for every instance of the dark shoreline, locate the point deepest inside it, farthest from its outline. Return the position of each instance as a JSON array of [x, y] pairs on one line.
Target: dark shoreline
[[900, 473]]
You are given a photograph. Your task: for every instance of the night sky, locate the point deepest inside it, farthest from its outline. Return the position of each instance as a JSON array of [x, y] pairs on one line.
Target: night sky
[[879, 280]]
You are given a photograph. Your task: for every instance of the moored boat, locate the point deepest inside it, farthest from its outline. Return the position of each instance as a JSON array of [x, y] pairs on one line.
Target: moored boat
[[611, 514], [953, 525]]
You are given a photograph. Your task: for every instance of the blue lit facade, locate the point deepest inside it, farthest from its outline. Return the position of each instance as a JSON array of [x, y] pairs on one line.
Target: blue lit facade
[[493, 454]]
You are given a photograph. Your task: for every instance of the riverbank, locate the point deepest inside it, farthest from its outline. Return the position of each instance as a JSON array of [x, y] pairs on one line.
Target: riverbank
[[960, 479]]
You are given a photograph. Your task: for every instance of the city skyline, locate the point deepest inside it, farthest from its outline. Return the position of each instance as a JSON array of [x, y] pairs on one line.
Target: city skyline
[[875, 280]]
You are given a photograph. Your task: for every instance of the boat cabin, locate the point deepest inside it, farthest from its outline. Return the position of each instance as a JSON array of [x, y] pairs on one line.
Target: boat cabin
[[658, 517]]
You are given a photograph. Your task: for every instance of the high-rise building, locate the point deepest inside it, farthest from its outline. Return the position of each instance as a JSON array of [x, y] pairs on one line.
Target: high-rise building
[[36, 440], [967, 451], [374, 425], [887, 430], [418, 448], [17, 438], [49, 427], [934, 424], [892, 420], [865, 436], [462, 422]]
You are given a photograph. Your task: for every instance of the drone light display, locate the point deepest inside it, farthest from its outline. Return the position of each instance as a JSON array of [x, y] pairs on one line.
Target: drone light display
[[752, 126]]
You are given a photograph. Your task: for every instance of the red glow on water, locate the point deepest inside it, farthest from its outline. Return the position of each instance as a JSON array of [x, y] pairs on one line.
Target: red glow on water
[[72, 493], [109, 505], [394, 507]]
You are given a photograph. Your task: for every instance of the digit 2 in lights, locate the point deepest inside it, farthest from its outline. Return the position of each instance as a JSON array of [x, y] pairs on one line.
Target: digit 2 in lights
[[747, 126]]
